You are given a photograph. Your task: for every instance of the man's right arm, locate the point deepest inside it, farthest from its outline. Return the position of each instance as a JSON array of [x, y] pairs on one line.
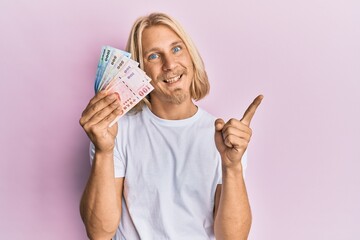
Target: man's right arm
[[100, 206]]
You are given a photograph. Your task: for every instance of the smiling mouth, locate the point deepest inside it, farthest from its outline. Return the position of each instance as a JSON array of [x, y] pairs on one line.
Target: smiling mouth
[[172, 80]]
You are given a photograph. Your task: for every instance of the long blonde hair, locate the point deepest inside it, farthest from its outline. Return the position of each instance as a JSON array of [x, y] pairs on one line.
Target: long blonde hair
[[200, 85]]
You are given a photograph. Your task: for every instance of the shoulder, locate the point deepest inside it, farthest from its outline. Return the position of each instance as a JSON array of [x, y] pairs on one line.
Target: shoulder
[[206, 119], [129, 123]]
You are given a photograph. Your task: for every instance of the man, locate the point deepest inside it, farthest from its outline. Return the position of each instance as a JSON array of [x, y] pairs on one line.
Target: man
[[160, 173]]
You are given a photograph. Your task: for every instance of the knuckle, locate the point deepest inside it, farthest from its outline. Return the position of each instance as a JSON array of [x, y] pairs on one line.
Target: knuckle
[[115, 104], [118, 111], [230, 138], [227, 141], [93, 129], [81, 121], [229, 130], [86, 127], [225, 132], [94, 108], [108, 117], [109, 99], [233, 121], [89, 102], [93, 100], [100, 116]]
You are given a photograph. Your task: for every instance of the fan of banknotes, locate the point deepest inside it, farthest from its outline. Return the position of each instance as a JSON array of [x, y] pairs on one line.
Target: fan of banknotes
[[116, 72]]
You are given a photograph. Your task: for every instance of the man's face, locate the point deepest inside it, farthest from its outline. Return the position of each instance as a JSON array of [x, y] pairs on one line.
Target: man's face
[[168, 63]]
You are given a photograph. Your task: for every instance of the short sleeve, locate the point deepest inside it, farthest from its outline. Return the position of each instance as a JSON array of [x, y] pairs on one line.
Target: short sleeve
[[119, 166], [244, 162], [219, 168], [119, 162]]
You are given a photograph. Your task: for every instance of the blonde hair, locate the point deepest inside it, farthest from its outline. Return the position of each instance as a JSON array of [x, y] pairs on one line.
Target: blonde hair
[[200, 85]]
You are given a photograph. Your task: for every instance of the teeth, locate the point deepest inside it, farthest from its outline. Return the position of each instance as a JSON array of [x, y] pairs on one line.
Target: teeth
[[171, 80]]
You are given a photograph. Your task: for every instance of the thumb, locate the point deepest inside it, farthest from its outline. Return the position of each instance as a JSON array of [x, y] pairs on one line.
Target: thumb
[[219, 124], [219, 142]]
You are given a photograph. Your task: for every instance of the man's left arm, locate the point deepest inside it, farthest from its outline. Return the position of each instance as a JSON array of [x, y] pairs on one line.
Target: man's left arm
[[232, 209]]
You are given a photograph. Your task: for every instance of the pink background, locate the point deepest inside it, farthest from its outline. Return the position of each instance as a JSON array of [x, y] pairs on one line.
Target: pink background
[[304, 56]]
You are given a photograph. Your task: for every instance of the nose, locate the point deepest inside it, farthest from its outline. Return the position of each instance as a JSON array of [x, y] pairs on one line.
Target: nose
[[169, 62]]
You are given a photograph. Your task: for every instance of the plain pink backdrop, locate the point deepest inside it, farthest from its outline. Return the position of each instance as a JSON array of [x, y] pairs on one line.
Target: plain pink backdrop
[[304, 56]]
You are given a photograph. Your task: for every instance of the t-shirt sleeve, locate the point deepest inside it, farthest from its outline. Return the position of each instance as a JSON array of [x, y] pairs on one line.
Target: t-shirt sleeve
[[219, 169], [244, 162], [119, 161], [119, 166]]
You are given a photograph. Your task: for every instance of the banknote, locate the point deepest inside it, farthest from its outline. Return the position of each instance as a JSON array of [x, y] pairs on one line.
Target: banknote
[[117, 72], [107, 54], [121, 65], [131, 92]]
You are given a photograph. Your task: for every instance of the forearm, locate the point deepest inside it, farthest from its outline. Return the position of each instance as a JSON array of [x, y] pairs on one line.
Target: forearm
[[233, 218], [99, 205]]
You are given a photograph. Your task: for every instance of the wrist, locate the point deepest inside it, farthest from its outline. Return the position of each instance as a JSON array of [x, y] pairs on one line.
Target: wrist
[[232, 171], [103, 160], [104, 153]]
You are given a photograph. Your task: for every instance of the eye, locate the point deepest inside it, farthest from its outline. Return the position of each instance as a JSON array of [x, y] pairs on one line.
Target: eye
[[176, 49], [153, 56]]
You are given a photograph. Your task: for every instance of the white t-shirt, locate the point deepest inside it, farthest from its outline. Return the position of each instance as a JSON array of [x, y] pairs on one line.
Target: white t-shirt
[[171, 170]]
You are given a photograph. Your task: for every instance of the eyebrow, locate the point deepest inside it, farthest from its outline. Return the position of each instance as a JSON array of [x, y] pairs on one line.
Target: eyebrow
[[156, 49]]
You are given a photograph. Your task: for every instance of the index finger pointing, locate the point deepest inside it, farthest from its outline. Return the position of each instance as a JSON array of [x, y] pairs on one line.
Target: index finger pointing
[[250, 111]]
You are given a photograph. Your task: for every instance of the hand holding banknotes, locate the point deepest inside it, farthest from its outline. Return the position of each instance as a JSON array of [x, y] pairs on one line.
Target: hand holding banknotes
[[233, 137], [96, 118], [117, 72], [120, 84]]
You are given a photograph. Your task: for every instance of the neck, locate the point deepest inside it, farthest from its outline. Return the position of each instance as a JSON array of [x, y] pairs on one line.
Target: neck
[[173, 111]]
